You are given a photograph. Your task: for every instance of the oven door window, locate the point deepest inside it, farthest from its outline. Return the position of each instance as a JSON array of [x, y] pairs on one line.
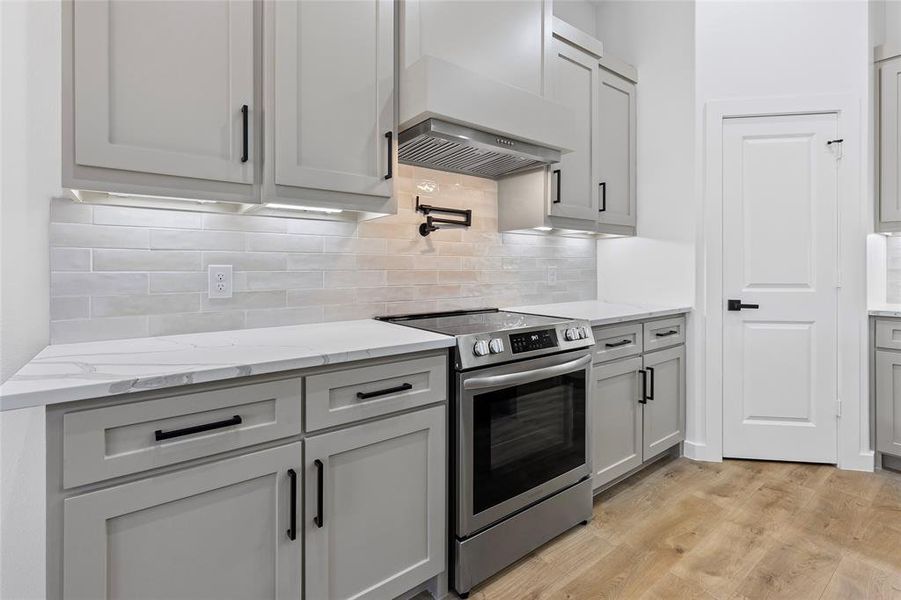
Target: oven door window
[[526, 435]]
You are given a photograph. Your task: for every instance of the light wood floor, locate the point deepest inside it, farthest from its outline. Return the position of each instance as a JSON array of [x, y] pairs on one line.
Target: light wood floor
[[738, 529]]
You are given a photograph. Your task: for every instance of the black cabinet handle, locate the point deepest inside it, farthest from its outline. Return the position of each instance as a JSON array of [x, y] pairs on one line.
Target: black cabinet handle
[[161, 435], [737, 305], [556, 173], [650, 395], [666, 333], [292, 530], [644, 386], [390, 136], [618, 344], [400, 388], [603, 186], [244, 118], [319, 519]]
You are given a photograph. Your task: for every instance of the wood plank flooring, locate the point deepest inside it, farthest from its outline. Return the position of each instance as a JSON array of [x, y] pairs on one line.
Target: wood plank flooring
[[718, 531]]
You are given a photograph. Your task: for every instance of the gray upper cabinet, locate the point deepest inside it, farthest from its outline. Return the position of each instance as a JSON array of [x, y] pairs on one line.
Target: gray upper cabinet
[[574, 83], [375, 507], [157, 96], [215, 531], [889, 209], [616, 419], [664, 413], [616, 152], [329, 86]]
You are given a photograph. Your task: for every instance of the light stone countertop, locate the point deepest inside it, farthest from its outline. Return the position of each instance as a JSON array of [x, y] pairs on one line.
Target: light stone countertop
[[603, 313], [885, 310], [68, 372]]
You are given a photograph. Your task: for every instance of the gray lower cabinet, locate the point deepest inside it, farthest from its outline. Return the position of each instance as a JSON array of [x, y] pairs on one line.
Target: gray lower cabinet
[[888, 402], [219, 530], [616, 419], [664, 413], [375, 506], [638, 409]]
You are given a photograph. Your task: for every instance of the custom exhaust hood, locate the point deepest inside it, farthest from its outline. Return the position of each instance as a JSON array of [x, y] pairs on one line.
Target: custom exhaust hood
[[453, 119]]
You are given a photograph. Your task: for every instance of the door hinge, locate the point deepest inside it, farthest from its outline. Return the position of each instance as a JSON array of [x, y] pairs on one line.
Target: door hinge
[[838, 408]]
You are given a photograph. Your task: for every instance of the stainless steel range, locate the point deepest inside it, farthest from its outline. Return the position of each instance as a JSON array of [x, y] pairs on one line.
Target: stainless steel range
[[520, 472]]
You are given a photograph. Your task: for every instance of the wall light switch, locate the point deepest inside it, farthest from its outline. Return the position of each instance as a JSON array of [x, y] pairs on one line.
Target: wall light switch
[[552, 275], [220, 281]]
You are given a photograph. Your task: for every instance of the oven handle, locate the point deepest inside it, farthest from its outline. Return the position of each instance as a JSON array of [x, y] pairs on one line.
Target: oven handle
[[477, 383]]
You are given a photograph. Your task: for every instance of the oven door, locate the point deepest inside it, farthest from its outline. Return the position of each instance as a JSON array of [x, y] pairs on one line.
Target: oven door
[[522, 435]]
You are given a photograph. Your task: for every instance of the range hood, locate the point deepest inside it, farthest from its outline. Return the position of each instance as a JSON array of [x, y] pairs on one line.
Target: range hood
[[446, 146], [453, 119]]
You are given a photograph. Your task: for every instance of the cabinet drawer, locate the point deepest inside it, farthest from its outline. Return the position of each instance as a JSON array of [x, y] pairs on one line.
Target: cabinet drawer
[[888, 334], [118, 440], [617, 341], [664, 333], [348, 395]]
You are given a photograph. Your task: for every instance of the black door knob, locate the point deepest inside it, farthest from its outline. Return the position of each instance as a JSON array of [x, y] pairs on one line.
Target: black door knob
[[737, 305]]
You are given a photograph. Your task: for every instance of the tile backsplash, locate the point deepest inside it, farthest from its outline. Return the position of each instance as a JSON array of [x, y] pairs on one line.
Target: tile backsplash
[[121, 272]]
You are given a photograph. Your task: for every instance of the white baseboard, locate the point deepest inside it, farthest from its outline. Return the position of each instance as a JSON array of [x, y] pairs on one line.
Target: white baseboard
[[865, 461], [698, 451]]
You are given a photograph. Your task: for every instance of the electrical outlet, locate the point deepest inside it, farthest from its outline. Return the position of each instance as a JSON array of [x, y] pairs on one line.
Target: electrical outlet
[[220, 281], [552, 275]]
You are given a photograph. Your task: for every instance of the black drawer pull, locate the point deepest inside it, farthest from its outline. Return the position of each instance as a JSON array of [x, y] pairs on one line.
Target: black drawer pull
[[618, 344], [556, 173], [292, 530], [319, 519], [644, 386], [161, 435], [650, 395], [400, 388], [390, 136], [667, 333], [244, 146], [603, 186]]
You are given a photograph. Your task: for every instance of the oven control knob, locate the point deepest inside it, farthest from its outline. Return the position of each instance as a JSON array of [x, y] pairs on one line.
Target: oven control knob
[[496, 346], [480, 348], [583, 332], [571, 334]]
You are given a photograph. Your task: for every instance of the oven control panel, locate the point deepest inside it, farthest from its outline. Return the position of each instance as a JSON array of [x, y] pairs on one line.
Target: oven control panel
[[533, 340], [482, 349]]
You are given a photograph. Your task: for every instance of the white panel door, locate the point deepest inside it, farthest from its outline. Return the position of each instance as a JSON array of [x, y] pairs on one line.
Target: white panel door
[[574, 188], [375, 507], [334, 95], [160, 87], [780, 252]]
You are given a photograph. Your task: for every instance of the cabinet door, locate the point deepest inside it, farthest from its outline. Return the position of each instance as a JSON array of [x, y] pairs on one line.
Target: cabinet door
[[616, 419], [890, 141], [888, 402], [214, 531], [664, 413], [375, 507], [616, 155], [159, 86], [333, 94], [574, 189]]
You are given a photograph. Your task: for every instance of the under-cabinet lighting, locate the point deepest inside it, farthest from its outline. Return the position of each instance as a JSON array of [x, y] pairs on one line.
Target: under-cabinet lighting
[[328, 211], [543, 228], [197, 200]]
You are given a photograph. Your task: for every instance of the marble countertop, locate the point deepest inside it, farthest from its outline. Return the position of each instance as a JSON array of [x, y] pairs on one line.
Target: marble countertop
[[603, 313], [885, 310], [68, 372]]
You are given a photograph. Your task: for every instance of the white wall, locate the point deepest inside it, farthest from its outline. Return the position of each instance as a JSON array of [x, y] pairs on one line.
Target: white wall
[[658, 265], [29, 177], [29, 173], [758, 49], [578, 13]]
